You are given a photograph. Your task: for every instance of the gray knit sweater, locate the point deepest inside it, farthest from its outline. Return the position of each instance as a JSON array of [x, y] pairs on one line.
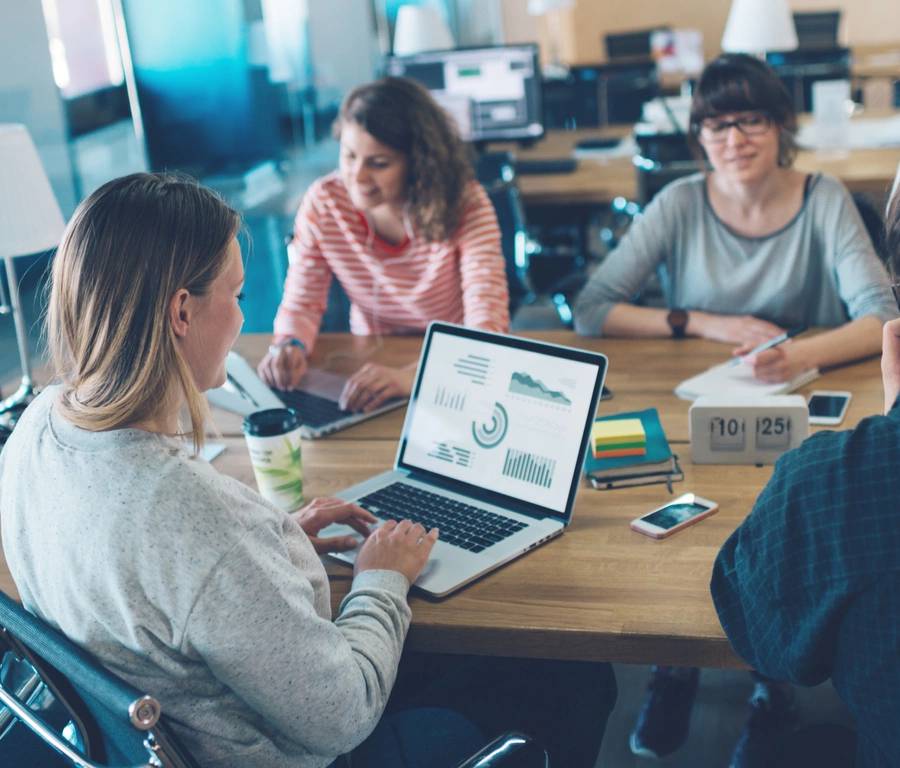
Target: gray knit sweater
[[192, 588]]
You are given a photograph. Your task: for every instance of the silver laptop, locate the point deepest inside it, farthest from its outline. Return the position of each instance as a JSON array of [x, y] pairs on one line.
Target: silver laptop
[[491, 451], [316, 400]]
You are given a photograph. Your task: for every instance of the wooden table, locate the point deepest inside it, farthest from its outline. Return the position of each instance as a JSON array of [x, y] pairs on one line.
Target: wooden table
[[641, 374], [599, 179], [599, 591]]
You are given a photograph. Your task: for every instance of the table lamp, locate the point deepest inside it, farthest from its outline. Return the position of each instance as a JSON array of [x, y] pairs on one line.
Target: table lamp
[[420, 28], [30, 222], [758, 26]]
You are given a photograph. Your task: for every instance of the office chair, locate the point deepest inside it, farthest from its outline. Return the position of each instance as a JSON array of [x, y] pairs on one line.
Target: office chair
[[495, 171], [874, 224], [661, 158], [817, 29], [800, 69], [533, 268], [60, 707], [594, 95], [633, 44], [81, 713]]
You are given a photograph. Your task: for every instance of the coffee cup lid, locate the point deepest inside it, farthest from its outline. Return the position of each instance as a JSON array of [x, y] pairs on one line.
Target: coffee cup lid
[[271, 422]]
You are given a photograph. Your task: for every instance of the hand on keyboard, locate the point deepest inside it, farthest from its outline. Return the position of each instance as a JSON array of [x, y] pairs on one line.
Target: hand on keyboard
[[373, 384], [323, 512], [402, 547], [283, 367]]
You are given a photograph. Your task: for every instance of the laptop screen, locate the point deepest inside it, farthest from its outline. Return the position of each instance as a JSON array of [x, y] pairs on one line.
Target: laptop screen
[[503, 415]]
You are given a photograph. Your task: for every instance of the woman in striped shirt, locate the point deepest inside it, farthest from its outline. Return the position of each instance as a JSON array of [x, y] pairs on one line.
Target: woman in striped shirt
[[406, 230]]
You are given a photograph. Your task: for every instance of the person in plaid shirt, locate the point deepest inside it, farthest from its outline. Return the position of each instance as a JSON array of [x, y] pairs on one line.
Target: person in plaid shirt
[[808, 588]]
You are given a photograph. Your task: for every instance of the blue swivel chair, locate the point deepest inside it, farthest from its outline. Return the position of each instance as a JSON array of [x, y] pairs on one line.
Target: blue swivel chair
[[60, 707]]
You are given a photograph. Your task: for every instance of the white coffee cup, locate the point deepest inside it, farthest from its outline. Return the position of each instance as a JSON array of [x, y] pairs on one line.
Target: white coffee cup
[[273, 438]]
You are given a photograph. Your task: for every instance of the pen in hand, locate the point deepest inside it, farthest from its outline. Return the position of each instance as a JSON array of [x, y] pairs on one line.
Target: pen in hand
[[773, 342]]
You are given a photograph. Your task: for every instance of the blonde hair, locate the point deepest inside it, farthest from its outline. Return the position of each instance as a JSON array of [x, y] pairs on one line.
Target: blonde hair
[[128, 249]]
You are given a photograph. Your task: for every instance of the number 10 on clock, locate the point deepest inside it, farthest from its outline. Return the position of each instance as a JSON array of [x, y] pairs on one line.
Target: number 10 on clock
[[727, 433]]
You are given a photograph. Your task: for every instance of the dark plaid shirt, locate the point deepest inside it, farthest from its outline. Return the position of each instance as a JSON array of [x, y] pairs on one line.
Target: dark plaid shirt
[[809, 586]]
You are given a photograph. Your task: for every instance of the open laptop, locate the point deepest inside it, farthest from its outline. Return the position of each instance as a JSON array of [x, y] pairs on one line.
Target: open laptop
[[491, 451], [316, 400]]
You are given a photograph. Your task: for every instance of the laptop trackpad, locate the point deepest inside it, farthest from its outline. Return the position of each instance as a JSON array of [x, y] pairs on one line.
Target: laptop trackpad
[[323, 383]]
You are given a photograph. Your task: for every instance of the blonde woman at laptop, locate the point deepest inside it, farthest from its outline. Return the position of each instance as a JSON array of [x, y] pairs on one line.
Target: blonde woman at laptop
[[183, 581], [750, 248], [405, 229], [190, 585]]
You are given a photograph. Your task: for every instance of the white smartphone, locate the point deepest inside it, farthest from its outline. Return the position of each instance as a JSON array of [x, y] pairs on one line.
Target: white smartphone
[[672, 517], [827, 407]]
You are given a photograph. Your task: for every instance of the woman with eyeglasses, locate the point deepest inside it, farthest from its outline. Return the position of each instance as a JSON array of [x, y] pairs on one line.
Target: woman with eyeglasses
[[746, 250], [749, 248]]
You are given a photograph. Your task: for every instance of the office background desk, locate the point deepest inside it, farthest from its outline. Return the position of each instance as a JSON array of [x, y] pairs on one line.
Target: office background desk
[[599, 591], [599, 179]]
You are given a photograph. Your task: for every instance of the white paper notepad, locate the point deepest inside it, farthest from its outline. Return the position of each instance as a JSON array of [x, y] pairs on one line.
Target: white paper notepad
[[737, 381]]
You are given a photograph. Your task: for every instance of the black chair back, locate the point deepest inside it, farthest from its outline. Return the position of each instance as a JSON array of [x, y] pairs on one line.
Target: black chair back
[[495, 171], [874, 223], [105, 720]]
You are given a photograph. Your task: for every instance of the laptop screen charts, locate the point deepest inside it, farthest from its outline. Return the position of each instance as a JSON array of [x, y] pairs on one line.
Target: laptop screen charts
[[501, 418]]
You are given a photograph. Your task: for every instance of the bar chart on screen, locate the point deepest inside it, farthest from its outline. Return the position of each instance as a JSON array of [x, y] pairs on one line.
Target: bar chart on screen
[[529, 467]]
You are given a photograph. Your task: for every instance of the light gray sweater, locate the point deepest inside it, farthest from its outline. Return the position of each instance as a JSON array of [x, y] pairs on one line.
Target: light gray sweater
[[194, 589], [818, 270]]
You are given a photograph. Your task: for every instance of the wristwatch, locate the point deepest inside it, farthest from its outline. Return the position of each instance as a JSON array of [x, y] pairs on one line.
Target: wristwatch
[[275, 348], [678, 320]]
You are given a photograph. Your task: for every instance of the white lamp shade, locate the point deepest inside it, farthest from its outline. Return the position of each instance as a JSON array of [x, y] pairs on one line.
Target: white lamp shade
[[420, 28], [757, 26], [30, 219]]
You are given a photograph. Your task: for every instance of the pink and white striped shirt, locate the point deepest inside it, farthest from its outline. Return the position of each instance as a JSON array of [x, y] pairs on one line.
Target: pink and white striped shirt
[[393, 289]]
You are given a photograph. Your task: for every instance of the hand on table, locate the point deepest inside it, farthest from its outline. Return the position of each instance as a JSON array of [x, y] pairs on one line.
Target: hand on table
[[372, 384], [890, 362], [402, 547], [323, 512], [283, 367], [744, 330]]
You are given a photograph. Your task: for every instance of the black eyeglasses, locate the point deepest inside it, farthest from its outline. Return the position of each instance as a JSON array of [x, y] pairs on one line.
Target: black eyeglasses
[[895, 289], [715, 130]]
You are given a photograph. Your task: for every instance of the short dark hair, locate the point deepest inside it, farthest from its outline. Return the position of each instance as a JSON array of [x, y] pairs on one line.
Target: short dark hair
[[736, 82], [402, 115]]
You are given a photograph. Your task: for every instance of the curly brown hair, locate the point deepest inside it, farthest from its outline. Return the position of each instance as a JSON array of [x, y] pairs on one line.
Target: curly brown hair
[[401, 114]]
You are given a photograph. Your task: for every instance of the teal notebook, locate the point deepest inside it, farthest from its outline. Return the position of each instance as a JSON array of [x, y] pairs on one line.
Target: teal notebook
[[657, 460]]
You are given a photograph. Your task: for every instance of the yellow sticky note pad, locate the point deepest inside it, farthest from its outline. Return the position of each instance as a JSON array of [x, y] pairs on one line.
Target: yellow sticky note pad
[[618, 432]]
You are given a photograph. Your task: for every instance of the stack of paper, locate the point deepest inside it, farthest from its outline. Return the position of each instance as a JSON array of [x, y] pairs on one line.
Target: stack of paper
[[737, 380], [617, 438]]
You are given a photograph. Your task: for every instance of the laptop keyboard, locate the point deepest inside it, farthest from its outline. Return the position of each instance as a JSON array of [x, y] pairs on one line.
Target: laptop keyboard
[[460, 524], [314, 410]]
